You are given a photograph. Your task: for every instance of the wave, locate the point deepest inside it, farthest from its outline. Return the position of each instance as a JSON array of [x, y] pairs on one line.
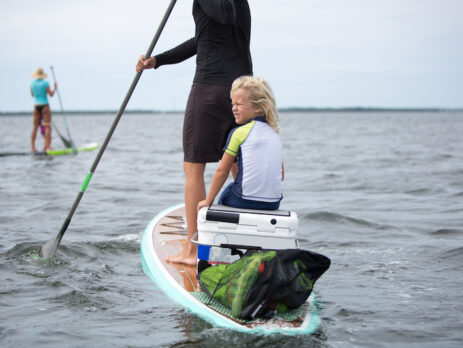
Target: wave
[[419, 192], [446, 232], [324, 216], [87, 250], [88, 301], [454, 254], [80, 274]]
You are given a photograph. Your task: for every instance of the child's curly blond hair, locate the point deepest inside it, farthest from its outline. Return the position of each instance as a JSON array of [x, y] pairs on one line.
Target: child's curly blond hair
[[260, 96]]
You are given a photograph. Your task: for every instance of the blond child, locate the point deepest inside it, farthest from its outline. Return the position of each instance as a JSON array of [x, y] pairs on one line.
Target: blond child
[[256, 146]]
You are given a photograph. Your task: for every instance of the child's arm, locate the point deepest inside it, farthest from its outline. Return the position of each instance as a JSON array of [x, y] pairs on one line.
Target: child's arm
[[219, 178]]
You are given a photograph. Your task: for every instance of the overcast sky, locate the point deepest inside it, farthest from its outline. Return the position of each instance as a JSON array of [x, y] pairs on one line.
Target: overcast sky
[[314, 53]]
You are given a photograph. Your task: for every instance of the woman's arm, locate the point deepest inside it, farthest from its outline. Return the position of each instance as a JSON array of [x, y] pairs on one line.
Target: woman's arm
[[177, 54], [50, 92], [219, 178]]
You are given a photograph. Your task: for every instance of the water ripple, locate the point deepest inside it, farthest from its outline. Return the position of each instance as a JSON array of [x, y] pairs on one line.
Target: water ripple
[[447, 232], [325, 216]]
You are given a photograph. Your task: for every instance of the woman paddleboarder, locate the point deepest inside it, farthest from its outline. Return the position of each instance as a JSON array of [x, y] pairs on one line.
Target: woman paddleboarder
[[221, 45], [40, 90]]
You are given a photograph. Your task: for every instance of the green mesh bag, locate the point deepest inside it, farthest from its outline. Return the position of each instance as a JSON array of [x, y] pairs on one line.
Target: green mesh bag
[[265, 282], [230, 284]]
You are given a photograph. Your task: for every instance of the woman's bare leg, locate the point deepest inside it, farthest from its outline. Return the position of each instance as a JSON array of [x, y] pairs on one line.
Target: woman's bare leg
[[195, 191], [35, 126], [46, 114]]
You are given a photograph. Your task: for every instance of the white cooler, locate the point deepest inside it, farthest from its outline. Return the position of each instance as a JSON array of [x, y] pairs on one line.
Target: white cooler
[[222, 228]]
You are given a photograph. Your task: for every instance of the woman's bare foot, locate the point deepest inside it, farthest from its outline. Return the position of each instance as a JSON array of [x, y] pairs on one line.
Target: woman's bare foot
[[187, 256], [183, 258]]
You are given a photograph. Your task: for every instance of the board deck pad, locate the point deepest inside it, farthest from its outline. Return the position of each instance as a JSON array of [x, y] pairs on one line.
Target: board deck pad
[[166, 235], [67, 151]]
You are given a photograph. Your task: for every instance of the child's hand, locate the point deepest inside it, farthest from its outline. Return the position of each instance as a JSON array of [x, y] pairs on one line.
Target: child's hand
[[204, 203]]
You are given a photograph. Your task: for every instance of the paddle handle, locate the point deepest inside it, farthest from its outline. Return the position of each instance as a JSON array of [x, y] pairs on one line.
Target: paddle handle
[[57, 90]]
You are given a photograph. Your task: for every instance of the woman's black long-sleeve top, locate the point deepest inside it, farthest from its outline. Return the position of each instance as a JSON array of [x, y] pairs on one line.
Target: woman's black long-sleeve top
[[221, 42]]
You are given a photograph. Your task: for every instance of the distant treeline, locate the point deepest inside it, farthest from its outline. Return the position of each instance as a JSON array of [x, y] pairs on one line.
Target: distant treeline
[[290, 109]]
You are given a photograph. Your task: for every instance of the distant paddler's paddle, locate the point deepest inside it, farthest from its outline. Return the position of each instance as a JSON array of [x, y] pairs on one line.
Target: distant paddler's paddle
[[49, 248], [67, 143]]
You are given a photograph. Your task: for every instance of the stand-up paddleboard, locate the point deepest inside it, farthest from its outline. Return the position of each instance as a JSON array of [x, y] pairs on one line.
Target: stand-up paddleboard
[[57, 152], [166, 235]]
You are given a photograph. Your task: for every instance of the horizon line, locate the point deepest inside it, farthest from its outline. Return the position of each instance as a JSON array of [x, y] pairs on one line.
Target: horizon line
[[282, 109]]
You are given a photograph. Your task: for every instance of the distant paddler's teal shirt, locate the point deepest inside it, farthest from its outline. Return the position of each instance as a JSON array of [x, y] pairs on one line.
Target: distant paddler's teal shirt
[[39, 88]]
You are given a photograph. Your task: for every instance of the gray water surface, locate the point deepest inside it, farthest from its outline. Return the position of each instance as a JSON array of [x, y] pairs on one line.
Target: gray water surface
[[381, 194]]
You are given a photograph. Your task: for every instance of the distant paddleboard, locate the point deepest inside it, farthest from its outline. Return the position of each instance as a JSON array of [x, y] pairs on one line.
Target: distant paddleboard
[[57, 152], [166, 235]]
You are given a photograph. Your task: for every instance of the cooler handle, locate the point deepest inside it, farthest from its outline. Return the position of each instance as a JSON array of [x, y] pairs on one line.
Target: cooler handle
[[237, 246], [192, 240]]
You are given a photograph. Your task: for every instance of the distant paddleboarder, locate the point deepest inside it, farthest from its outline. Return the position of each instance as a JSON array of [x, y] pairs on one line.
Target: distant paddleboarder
[[40, 90]]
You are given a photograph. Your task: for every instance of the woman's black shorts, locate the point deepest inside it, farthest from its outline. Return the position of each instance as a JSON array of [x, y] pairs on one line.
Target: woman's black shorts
[[208, 120]]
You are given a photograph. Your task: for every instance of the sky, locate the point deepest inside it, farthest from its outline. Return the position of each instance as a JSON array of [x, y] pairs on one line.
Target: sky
[[314, 53]]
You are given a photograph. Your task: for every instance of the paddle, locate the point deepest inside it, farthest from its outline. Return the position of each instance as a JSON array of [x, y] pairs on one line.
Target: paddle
[[28, 153], [67, 143], [49, 248]]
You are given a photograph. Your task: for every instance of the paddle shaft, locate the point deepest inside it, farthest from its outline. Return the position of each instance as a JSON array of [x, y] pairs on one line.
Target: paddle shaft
[[62, 109], [28, 153], [66, 142], [49, 248]]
